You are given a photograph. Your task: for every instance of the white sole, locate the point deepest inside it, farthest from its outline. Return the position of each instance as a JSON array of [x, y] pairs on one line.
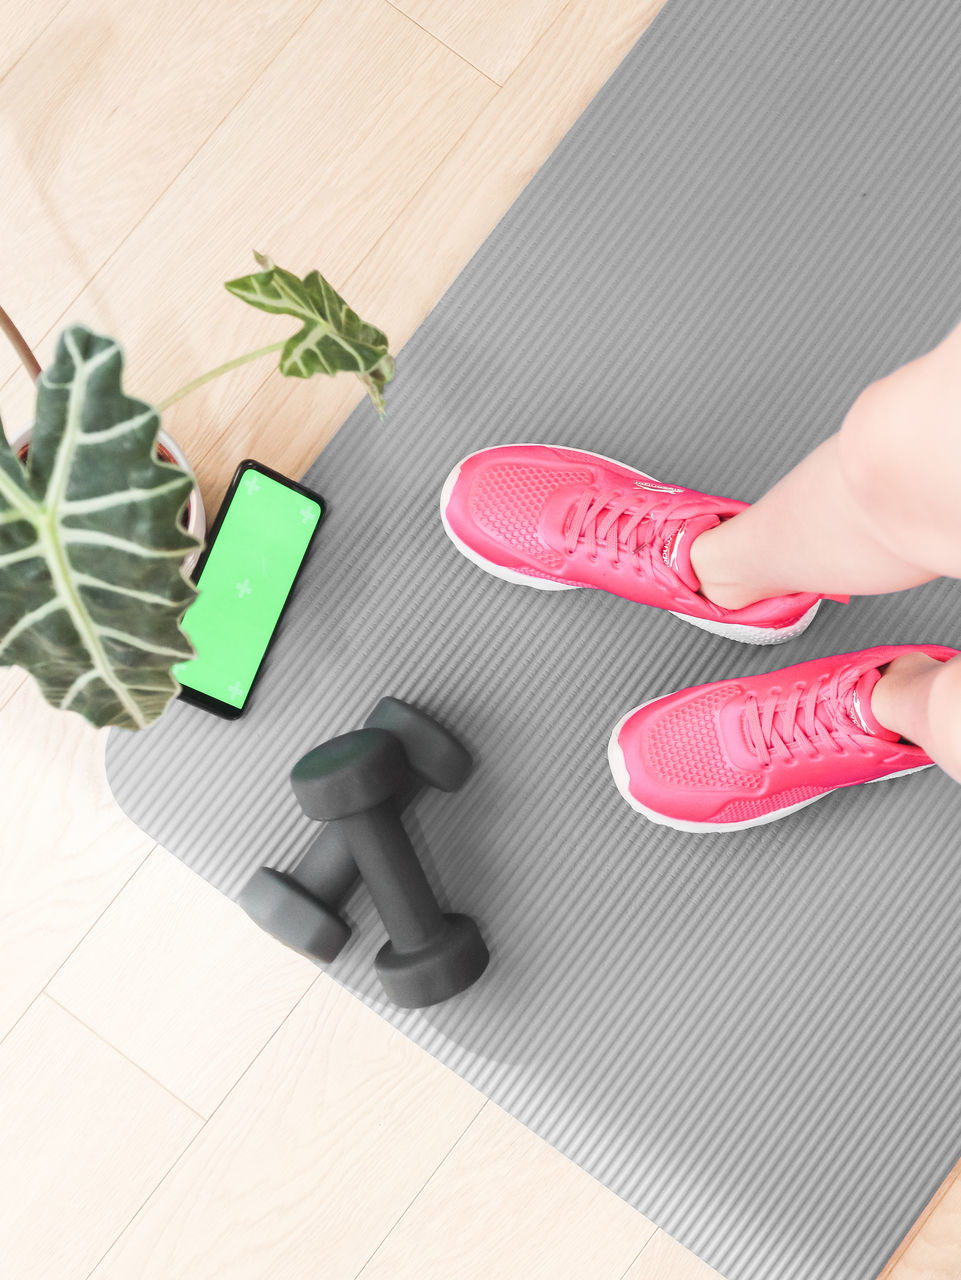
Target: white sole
[[615, 758], [729, 630]]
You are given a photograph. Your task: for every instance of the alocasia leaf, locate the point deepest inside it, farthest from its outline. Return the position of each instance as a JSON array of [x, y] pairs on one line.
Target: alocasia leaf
[[332, 339], [91, 587]]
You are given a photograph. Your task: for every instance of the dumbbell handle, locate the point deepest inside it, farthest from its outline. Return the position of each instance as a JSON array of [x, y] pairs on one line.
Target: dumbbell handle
[[392, 872], [327, 868]]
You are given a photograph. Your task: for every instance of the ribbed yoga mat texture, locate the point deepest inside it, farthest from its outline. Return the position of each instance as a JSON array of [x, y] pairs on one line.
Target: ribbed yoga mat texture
[[753, 1037]]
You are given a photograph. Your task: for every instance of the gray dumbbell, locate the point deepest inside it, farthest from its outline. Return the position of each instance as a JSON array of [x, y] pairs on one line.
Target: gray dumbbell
[[353, 782], [301, 907]]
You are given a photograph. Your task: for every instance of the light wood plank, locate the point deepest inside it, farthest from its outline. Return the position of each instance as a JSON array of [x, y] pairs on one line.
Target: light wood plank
[[66, 849], [85, 1137], [494, 37], [310, 1160], [11, 678], [932, 1248], [427, 247], [664, 1259], [318, 407], [18, 396], [429, 243], [312, 167], [91, 135], [495, 1202], [22, 22], [207, 991]]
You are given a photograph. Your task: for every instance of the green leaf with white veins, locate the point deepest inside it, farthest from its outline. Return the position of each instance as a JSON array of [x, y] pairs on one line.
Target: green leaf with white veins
[[333, 338], [91, 588]]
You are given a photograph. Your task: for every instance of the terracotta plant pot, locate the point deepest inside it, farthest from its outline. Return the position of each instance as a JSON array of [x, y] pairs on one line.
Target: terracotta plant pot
[[193, 518]]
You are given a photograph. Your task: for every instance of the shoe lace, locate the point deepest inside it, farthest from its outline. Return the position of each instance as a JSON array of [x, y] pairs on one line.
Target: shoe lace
[[811, 718], [612, 523]]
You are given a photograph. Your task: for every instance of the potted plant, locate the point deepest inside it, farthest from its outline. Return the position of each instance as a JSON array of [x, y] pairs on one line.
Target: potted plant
[[100, 523]]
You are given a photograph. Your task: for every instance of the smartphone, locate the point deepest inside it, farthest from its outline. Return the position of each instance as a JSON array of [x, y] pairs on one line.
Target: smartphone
[[255, 551]]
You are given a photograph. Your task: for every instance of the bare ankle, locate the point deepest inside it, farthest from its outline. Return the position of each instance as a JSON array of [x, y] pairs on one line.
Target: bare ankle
[[720, 589], [899, 700]]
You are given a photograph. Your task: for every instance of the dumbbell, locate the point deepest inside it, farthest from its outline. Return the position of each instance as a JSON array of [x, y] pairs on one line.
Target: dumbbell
[[353, 783], [301, 907]]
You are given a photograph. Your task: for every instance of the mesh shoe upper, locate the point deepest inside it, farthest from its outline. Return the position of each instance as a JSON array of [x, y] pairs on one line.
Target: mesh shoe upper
[[579, 519], [507, 500], [739, 752]]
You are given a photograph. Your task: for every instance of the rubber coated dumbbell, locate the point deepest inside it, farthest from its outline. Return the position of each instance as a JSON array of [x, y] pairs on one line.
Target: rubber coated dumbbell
[[301, 907], [353, 782]]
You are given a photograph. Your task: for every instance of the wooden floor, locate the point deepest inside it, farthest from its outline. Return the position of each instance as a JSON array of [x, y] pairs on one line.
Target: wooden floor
[[180, 1097]]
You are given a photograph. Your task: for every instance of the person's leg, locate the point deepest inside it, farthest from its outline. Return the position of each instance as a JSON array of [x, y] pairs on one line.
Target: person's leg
[[811, 532], [920, 698], [873, 509]]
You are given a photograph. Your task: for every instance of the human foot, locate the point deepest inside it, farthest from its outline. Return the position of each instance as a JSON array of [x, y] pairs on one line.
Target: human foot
[[895, 700], [740, 753], [556, 518]]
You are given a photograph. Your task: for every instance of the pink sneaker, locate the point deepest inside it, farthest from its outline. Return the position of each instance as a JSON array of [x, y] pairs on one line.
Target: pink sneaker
[[556, 518], [739, 753]]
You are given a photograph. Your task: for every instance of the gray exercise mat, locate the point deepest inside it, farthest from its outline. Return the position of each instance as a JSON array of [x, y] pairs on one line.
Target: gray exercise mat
[[751, 1037]]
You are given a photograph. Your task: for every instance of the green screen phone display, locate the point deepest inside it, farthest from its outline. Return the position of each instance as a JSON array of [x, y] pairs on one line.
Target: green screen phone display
[[260, 539]]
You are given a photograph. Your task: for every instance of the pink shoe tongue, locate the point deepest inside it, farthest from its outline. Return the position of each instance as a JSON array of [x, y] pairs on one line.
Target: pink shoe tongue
[[859, 707], [677, 546]]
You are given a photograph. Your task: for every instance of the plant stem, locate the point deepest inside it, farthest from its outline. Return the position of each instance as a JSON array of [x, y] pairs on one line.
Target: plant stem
[[19, 344], [215, 373]]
